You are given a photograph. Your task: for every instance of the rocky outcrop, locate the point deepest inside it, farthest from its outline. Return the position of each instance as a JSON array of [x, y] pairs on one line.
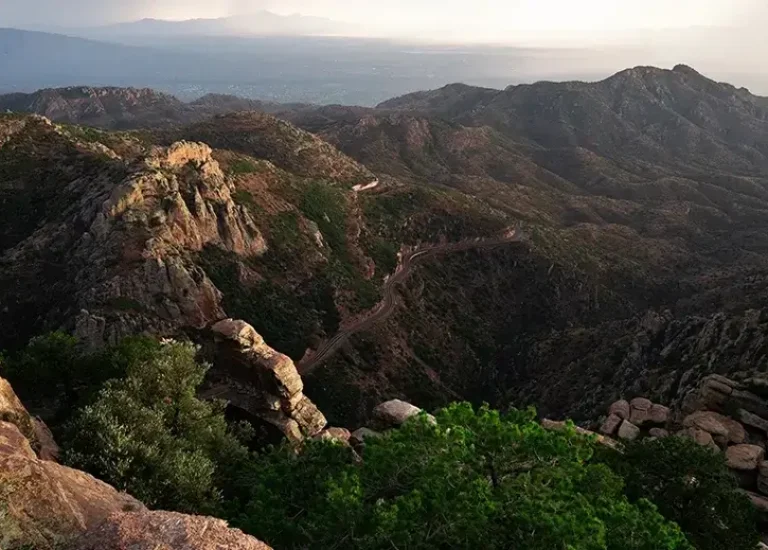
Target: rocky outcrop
[[13, 411], [744, 457], [46, 506], [123, 240], [184, 201], [262, 381], [630, 420]]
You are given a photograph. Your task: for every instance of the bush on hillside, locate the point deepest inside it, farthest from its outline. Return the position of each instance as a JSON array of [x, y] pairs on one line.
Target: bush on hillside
[[149, 435], [692, 486], [475, 479]]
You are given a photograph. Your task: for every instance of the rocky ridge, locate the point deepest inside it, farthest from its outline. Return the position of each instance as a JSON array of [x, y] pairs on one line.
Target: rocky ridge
[[125, 108]]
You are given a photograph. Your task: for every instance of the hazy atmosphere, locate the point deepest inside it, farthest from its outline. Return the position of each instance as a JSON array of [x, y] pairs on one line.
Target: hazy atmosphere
[[343, 51], [401, 16]]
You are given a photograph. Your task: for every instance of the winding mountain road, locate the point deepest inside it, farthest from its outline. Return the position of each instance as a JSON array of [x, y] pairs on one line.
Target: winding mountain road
[[386, 307]]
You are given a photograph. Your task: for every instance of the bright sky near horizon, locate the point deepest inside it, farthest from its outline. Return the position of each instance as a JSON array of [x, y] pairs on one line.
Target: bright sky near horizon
[[523, 14], [404, 15]]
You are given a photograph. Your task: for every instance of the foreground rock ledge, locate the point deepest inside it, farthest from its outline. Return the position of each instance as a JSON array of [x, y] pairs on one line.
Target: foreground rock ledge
[[166, 530], [47, 506]]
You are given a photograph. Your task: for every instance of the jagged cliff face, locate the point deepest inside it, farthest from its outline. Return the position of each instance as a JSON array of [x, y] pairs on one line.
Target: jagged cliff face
[[118, 237]]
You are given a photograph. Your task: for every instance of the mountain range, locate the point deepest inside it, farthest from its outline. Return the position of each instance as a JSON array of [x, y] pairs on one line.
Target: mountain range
[[642, 200], [257, 23]]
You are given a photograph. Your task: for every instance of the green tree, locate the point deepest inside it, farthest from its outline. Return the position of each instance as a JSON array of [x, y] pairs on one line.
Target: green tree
[[473, 479], [149, 435], [692, 486], [57, 373]]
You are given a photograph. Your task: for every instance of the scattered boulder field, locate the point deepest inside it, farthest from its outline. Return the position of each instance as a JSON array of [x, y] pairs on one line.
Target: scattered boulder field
[[728, 416]]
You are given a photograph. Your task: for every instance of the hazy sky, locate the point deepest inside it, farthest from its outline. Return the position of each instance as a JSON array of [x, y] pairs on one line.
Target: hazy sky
[[475, 16]]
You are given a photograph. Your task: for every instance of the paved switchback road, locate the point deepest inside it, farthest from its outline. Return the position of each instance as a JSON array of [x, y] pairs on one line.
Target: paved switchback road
[[386, 307]]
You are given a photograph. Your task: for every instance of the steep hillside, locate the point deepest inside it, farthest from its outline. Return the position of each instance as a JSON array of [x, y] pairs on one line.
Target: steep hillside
[[648, 191], [676, 117], [164, 238], [263, 136]]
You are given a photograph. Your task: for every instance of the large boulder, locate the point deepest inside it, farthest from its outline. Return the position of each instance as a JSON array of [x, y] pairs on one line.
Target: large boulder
[[46, 504], [640, 409], [744, 457], [165, 530], [263, 382], [658, 414], [394, 413], [611, 424], [628, 431], [701, 437], [621, 409], [359, 436], [712, 394], [724, 430], [706, 420]]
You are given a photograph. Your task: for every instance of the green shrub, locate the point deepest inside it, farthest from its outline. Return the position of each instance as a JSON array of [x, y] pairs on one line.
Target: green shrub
[[149, 435], [326, 206], [692, 486], [475, 479], [53, 371], [242, 166]]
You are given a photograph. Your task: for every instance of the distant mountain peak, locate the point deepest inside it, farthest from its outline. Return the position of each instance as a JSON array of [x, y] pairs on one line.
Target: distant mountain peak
[[686, 69]]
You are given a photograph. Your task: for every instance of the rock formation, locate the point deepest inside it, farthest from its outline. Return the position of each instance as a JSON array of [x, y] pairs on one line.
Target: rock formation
[[122, 240], [723, 414], [263, 382], [45, 505]]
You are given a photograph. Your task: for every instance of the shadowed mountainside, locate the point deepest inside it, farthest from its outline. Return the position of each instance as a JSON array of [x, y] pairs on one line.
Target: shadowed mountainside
[[644, 196]]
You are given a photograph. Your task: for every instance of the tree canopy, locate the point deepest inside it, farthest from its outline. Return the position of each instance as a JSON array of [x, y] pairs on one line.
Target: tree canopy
[[473, 479], [469, 478]]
